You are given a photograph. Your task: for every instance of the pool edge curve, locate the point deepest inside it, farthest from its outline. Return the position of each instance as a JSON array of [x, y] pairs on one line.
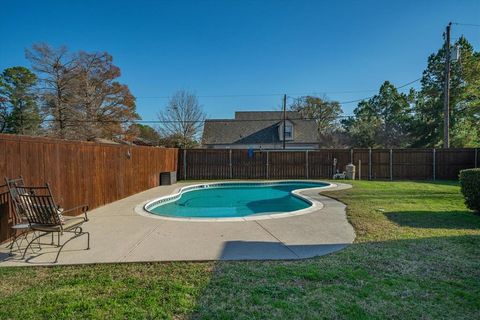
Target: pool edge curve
[[315, 205]]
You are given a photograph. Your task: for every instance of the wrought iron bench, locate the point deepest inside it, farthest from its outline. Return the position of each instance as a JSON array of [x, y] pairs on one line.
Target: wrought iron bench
[[45, 216], [21, 227]]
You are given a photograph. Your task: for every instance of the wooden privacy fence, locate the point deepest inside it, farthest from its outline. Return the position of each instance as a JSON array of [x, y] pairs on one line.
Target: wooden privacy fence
[[79, 172], [371, 164]]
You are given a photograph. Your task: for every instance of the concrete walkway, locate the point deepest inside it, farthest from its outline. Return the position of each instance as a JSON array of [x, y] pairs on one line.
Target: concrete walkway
[[119, 234]]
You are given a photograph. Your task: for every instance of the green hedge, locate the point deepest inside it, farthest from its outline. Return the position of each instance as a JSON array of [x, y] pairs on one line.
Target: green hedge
[[470, 186]]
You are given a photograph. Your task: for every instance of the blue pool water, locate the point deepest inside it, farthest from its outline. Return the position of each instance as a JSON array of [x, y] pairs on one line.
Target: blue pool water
[[236, 200]]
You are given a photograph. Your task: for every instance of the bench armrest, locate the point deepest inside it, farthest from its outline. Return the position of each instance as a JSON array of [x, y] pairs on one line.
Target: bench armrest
[[83, 207]]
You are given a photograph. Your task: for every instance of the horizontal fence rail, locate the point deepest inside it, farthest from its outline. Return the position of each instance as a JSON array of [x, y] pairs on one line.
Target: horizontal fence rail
[[97, 174], [79, 172], [371, 164]]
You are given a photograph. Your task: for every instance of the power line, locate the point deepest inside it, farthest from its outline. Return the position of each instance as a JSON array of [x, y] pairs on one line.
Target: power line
[[261, 95], [331, 92], [274, 94], [180, 121], [217, 96], [367, 98], [466, 24], [236, 120]]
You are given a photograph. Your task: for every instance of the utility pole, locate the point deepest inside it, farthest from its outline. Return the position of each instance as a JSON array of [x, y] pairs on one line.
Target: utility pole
[[284, 118], [446, 91]]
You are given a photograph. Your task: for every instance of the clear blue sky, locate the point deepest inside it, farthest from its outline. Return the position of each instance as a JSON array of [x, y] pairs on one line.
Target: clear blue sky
[[243, 47]]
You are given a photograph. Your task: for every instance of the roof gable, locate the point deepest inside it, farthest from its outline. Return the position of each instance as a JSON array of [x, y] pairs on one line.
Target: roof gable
[[266, 115], [257, 127]]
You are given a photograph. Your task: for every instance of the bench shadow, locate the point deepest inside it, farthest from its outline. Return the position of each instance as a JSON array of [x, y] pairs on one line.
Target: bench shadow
[[44, 255], [5, 256], [456, 219]]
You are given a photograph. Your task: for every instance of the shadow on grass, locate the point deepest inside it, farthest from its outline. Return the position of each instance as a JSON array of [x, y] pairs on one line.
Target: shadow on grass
[[436, 219], [265, 250], [454, 183], [358, 282]]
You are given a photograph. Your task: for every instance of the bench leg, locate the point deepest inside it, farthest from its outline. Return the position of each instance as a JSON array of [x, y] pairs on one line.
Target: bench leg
[[32, 241], [77, 234]]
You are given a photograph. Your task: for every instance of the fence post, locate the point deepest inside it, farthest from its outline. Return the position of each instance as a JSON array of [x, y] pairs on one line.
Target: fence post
[[184, 164], [434, 164], [351, 156], [267, 173], [230, 162], [476, 157], [359, 169], [369, 163], [391, 164], [306, 163]]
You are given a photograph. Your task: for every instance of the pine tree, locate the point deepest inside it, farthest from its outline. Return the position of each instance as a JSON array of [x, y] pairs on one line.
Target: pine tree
[[464, 100], [20, 111], [382, 121]]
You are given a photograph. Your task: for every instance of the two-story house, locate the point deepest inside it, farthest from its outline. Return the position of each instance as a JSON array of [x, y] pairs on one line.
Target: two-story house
[[260, 130]]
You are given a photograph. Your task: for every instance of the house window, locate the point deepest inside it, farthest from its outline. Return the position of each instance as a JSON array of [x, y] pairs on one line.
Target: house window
[[288, 132]]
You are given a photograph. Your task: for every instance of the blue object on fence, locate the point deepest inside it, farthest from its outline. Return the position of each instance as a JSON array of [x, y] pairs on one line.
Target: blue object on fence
[[250, 153]]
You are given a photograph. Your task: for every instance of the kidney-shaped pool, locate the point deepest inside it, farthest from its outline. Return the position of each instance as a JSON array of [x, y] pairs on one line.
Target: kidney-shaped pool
[[234, 199]]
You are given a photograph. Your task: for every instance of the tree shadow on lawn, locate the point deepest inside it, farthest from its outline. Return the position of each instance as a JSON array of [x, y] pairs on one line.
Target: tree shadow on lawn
[[439, 182], [388, 279], [456, 219]]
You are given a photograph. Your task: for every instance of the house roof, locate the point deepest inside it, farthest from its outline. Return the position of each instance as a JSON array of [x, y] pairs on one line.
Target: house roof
[[257, 127], [266, 115]]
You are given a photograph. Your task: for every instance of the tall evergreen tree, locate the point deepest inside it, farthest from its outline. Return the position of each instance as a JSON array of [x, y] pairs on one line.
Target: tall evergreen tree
[[19, 104], [3, 113], [382, 121], [464, 100]]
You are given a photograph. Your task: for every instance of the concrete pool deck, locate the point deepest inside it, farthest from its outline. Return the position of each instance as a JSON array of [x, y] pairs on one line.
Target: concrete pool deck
[[119, 234]]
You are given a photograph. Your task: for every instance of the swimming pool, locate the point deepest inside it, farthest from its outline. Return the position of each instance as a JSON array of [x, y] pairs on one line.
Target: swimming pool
[[234, 200]]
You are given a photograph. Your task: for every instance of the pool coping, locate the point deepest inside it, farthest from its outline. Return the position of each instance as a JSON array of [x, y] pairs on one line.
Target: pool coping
[[315, 205]]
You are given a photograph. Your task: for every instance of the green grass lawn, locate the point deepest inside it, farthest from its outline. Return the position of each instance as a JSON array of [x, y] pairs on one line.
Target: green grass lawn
[[417, 255]]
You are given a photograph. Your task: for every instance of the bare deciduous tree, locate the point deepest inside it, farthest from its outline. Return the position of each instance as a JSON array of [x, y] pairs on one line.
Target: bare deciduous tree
[[325, 113], [182, 119], [104, 106], [56, 71], [80, 94]]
